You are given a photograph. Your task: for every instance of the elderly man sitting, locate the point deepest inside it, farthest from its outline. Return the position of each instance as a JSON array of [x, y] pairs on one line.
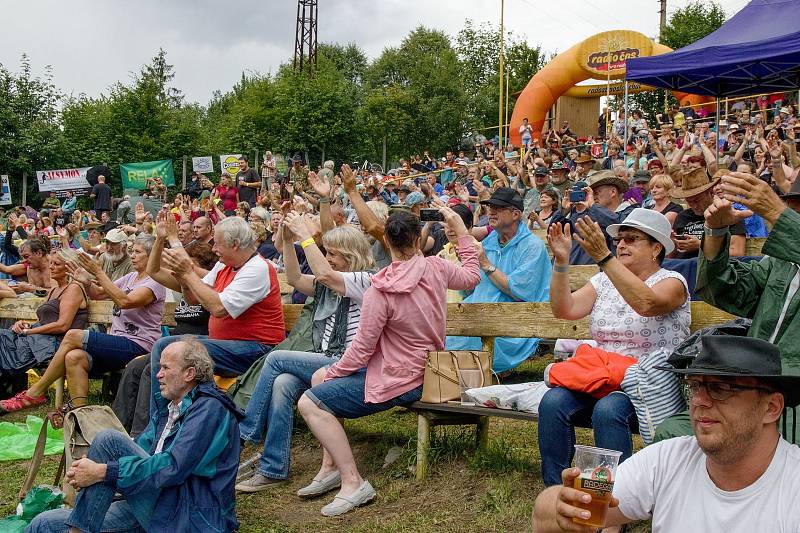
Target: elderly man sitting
[[515, 269], [736, 475], [241, 293], [180, 473]]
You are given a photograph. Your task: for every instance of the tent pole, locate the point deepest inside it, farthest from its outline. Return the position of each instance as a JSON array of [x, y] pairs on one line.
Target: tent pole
[[716, 145], [625, 103]]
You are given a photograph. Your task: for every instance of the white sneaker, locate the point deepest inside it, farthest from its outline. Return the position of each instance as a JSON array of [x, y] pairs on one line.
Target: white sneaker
[[319, 487], [344, 504]]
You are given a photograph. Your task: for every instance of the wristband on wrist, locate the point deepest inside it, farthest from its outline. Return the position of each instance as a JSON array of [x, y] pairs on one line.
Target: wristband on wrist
[[561, 268], [325, 200], [715, 232], [605, 260], [308, 242]]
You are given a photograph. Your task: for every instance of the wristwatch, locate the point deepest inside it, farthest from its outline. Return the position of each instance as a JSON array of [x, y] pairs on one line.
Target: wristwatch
[[490, 270], [715, 232]]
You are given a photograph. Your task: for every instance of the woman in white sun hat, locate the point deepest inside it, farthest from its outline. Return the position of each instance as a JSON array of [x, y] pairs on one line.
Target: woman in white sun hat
[[634, 307]]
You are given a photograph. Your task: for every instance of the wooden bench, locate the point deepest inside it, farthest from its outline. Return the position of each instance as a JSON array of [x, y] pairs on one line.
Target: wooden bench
[[100, 312], [488, 321]]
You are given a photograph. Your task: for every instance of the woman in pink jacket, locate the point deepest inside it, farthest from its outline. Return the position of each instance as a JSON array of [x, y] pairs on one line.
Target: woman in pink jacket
[[402, 319]]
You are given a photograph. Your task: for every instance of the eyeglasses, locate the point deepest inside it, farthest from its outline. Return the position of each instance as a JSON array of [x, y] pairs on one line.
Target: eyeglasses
[[719, 391], [629, 239]]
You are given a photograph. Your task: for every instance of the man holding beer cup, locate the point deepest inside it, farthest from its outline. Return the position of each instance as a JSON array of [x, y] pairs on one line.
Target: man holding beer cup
[[736, 474]]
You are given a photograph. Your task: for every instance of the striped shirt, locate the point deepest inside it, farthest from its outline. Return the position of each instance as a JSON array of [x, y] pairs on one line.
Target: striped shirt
[[356, 284]]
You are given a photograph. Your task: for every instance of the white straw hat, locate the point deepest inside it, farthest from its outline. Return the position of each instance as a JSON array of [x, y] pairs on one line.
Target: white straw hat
[[650, 222]]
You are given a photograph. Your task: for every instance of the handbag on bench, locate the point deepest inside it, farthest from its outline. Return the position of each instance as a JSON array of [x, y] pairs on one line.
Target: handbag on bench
[[440, 383]]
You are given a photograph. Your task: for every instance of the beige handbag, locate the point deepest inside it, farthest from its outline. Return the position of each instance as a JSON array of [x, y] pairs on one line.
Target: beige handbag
[[440, 383]]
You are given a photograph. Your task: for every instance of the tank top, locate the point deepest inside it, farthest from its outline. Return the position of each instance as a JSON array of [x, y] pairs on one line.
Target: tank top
[[47, 313]]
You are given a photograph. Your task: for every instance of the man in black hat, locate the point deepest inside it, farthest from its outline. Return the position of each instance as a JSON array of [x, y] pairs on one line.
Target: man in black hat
[[515, 269], [767, 290], [735, 475]]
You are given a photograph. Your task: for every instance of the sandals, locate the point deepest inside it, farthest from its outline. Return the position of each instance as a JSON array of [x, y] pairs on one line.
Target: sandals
[[21, 401]]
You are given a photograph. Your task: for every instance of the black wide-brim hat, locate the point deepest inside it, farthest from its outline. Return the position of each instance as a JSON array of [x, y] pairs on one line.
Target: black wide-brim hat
[[742, 357]]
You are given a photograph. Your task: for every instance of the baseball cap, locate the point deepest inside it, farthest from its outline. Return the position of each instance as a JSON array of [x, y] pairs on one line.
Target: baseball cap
[[415, 198], [541, 171], [116, 236], [505, 197]]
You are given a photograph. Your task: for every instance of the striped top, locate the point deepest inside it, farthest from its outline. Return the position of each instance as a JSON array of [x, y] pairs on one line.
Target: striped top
[[356, 284]]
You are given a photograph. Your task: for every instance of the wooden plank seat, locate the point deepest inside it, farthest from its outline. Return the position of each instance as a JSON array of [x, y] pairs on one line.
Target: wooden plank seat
[[487, 321], [509, 320], [100, 312]]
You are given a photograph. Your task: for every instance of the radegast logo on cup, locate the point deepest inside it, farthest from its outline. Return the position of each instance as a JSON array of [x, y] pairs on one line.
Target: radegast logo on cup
[[599, 480]]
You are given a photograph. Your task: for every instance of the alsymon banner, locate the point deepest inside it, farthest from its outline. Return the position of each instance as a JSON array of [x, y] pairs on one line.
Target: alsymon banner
[[135, 175], [62, 180]]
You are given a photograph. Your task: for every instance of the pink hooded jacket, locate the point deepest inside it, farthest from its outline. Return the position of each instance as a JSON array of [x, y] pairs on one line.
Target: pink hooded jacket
[[402, 319]]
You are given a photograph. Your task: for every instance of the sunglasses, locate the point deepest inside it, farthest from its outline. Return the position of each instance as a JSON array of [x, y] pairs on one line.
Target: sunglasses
[[629, 239]]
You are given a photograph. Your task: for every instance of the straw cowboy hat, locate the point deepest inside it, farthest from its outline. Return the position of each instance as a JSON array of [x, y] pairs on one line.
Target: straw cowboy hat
[[607, 177], [694, 182]]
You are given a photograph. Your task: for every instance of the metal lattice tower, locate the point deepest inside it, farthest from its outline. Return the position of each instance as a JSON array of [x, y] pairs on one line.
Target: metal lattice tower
[[305, 37]]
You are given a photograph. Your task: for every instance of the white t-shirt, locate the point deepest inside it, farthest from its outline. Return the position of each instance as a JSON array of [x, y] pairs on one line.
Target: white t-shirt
[[618, 328], [669, 483], [249, 286], [355, 285]]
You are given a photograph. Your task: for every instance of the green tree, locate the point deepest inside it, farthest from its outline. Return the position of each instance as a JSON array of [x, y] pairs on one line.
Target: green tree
[[31, 138], [416, 96], [478, 49], [692, 23], [142, 121]]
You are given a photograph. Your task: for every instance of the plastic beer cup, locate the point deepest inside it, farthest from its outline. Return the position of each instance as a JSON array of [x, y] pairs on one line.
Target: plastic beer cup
[[598, 468], [468, 378]]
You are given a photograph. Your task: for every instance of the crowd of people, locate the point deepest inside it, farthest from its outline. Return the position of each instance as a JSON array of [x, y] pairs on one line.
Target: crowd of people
[[375, 258]]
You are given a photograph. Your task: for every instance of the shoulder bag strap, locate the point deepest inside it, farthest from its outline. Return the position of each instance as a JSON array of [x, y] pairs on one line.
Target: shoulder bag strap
[[36, 460]]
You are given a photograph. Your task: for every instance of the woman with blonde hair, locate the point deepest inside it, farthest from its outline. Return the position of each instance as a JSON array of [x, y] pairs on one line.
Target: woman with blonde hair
[[340, 278], [660, 185]]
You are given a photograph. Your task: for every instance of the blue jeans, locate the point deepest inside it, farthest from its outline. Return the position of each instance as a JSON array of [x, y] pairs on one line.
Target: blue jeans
[[344, 397], [613, 419], [107, 353], [231, 358], [94, 510], [285, 376]]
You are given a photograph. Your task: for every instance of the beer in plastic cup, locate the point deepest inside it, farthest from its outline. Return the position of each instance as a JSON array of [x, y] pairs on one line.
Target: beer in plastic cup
[[598, 468], [468, 378]]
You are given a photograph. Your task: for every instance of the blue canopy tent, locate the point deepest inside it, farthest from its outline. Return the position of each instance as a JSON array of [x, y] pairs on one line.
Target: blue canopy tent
[[756, 51]]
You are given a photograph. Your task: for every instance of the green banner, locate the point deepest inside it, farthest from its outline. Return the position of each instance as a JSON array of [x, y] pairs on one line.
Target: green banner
[[135, 175]]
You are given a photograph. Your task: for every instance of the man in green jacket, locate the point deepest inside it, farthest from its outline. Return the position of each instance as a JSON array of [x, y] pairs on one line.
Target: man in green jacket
[[765, 291]]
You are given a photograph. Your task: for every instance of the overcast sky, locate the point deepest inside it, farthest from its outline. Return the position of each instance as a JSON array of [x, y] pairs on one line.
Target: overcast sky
[[91, 44]]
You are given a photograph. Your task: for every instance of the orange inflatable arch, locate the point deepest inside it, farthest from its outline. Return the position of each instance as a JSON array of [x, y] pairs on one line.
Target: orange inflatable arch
[[593, 58]]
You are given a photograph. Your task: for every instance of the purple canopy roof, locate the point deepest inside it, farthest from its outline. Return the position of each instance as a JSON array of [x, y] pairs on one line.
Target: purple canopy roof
[[756, 51]]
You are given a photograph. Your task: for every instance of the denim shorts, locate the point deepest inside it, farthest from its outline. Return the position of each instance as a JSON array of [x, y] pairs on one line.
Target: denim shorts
[[344, 397], [109, 352]]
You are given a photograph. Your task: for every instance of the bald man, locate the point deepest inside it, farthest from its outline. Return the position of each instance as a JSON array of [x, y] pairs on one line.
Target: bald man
[[203, 230]]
